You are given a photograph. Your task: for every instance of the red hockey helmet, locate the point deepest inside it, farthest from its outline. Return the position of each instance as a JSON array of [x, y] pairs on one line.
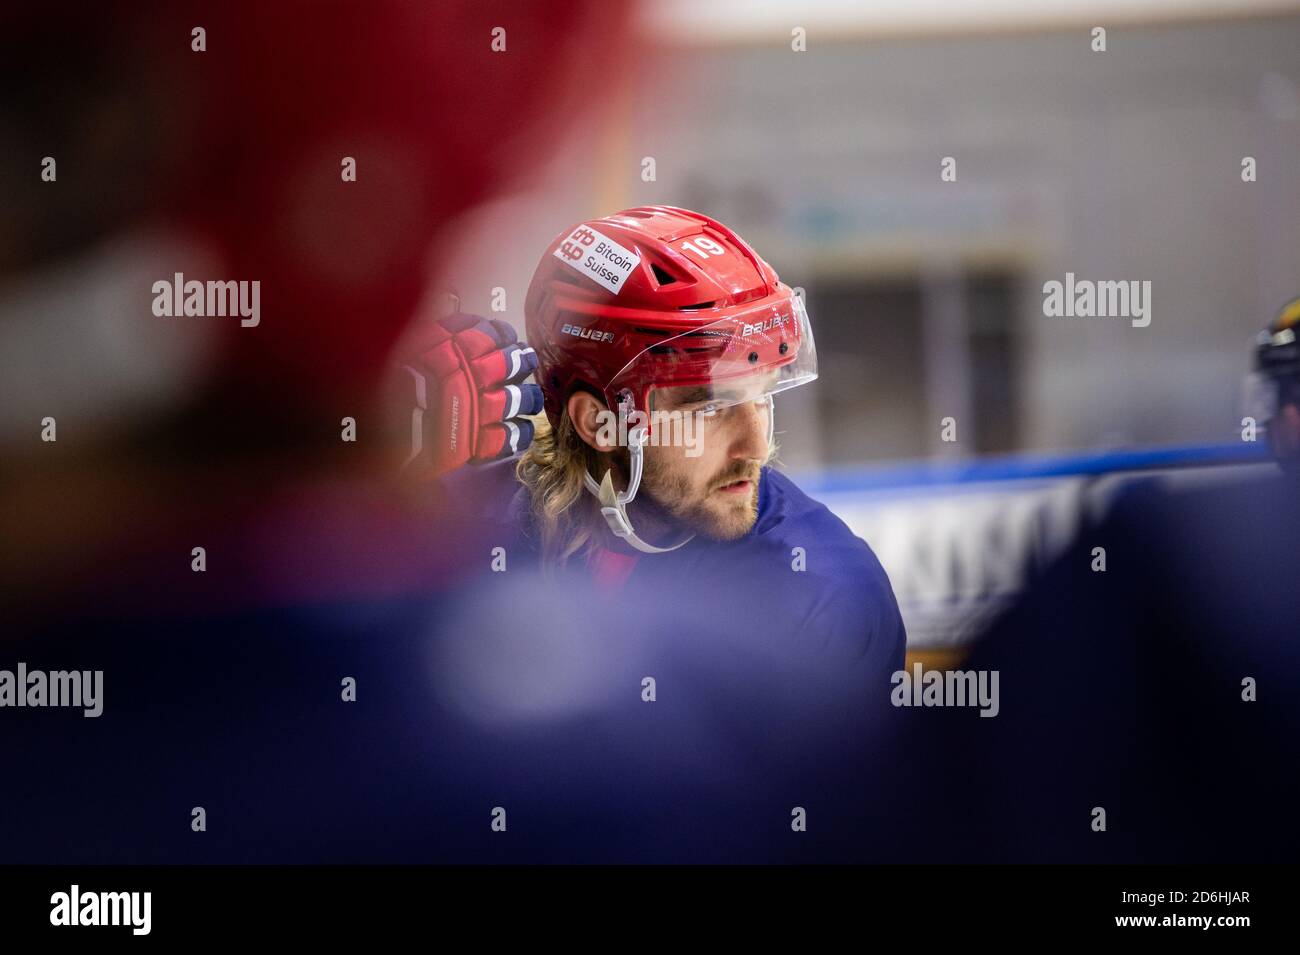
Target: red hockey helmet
[[658, 297]]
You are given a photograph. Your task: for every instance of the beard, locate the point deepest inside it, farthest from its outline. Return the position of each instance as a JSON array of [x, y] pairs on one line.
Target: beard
[[701, 507]]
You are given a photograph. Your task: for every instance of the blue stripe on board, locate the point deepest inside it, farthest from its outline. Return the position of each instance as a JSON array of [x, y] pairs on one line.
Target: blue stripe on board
[[1020, 467]]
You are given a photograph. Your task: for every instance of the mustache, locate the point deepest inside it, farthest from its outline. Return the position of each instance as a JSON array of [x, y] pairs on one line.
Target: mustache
[[749, 473]]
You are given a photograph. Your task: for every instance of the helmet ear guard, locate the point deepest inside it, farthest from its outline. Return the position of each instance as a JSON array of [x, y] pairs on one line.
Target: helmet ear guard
[[613, 505]]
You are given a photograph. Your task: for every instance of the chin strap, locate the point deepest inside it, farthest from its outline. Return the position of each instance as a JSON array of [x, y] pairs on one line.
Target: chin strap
[[614, 505]]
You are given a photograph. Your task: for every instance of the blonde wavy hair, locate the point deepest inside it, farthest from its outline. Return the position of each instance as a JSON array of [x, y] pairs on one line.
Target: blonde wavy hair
[[567, 518]]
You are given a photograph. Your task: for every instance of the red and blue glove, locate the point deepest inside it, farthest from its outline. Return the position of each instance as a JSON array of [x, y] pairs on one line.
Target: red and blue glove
[[469, 394]]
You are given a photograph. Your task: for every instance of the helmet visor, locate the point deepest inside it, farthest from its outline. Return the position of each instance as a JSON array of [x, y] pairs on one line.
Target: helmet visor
[[745, 357]]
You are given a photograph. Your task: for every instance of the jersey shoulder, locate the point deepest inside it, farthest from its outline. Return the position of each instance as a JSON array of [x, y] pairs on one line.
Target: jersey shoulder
[[480, 502], [854, 598], [787, 514], [479, 490]]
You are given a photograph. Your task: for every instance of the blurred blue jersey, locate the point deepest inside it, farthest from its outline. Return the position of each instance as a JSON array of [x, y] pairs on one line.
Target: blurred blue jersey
[[695, 713], [1160, 690]]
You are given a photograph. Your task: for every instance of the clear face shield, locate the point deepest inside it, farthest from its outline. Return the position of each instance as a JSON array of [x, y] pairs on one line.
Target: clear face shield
[[691, 387]]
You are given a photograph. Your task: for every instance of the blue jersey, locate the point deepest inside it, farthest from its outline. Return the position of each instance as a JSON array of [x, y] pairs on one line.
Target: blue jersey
[[729, 682], [799, 575], [695, 713]]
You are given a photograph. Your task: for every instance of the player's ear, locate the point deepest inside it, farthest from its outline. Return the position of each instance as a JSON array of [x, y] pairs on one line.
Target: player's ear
[[588, 414]]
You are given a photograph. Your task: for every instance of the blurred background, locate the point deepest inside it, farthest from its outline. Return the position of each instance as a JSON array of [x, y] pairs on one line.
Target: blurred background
[[927, 296], [817, 130]]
